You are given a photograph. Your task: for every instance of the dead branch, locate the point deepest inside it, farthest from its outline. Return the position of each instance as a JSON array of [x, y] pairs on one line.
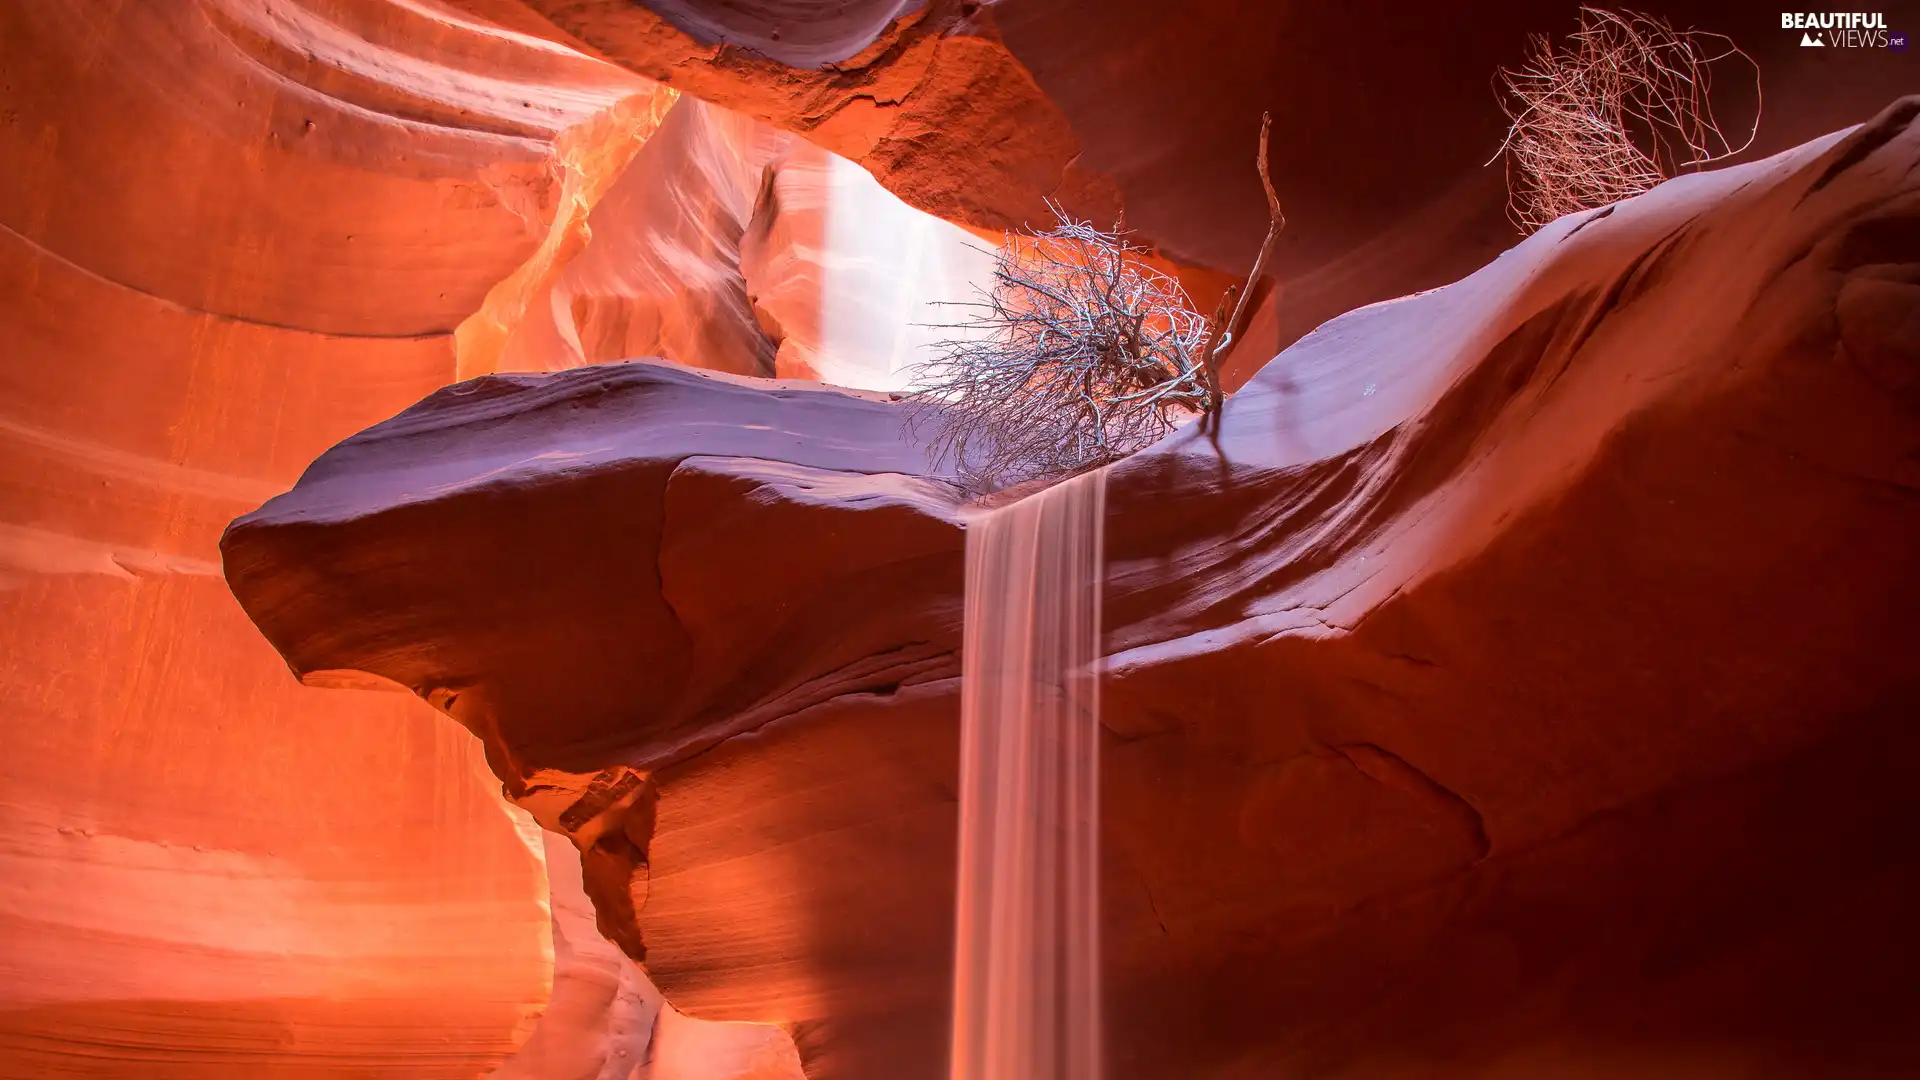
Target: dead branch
[[1222, 340], [1624, 103], [1080, 354]]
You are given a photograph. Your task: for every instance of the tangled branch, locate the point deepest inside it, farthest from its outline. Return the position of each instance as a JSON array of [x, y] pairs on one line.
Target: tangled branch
[[1624, 103], [1081, 354]]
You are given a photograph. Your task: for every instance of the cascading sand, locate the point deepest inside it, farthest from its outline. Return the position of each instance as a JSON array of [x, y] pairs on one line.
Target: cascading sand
[[1026, 1002]]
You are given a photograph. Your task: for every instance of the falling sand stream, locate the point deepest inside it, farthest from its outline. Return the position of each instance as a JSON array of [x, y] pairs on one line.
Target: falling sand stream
[[1026, 1003]]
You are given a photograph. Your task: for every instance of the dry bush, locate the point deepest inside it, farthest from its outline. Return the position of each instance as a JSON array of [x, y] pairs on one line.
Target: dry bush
[[1081, 354], [1624, 103]]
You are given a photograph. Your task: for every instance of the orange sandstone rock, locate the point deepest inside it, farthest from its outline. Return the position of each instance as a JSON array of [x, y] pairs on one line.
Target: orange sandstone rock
[[231, 234], [1517, 684]]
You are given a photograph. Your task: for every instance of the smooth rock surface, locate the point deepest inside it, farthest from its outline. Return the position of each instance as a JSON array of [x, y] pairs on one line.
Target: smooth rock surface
[[1517, 686], [232, 234], [234, 231], [726, 244]]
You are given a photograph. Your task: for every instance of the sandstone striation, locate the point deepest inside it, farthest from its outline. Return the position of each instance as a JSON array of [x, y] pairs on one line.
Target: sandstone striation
[[1516, 683], [232, 234], [726, 244], [1514, 814]]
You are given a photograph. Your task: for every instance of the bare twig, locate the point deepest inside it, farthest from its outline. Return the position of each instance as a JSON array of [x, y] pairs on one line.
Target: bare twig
[[1081, 354], [1624, 103], [1223, 338]]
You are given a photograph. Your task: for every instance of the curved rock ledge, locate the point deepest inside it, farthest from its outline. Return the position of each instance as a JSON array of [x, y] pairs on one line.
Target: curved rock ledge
[[1520, 679]]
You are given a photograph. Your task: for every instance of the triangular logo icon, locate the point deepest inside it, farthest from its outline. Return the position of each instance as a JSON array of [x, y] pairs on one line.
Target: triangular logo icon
[[1809, 39]]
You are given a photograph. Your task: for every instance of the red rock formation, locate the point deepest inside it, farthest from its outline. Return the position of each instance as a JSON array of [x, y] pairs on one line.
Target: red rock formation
[[598, 1023], [660, 275], [230, 235], [726, 244], [933, 103], [605, 1020], [234, 231], [1517, 684], [977, 111]]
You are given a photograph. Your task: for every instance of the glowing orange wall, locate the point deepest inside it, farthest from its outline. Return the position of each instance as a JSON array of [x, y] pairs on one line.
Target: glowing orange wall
[[224, 245]]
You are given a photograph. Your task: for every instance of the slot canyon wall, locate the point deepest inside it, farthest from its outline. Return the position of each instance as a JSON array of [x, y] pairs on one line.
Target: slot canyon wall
[[1519, 684], [236, 232], [231, 234]]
